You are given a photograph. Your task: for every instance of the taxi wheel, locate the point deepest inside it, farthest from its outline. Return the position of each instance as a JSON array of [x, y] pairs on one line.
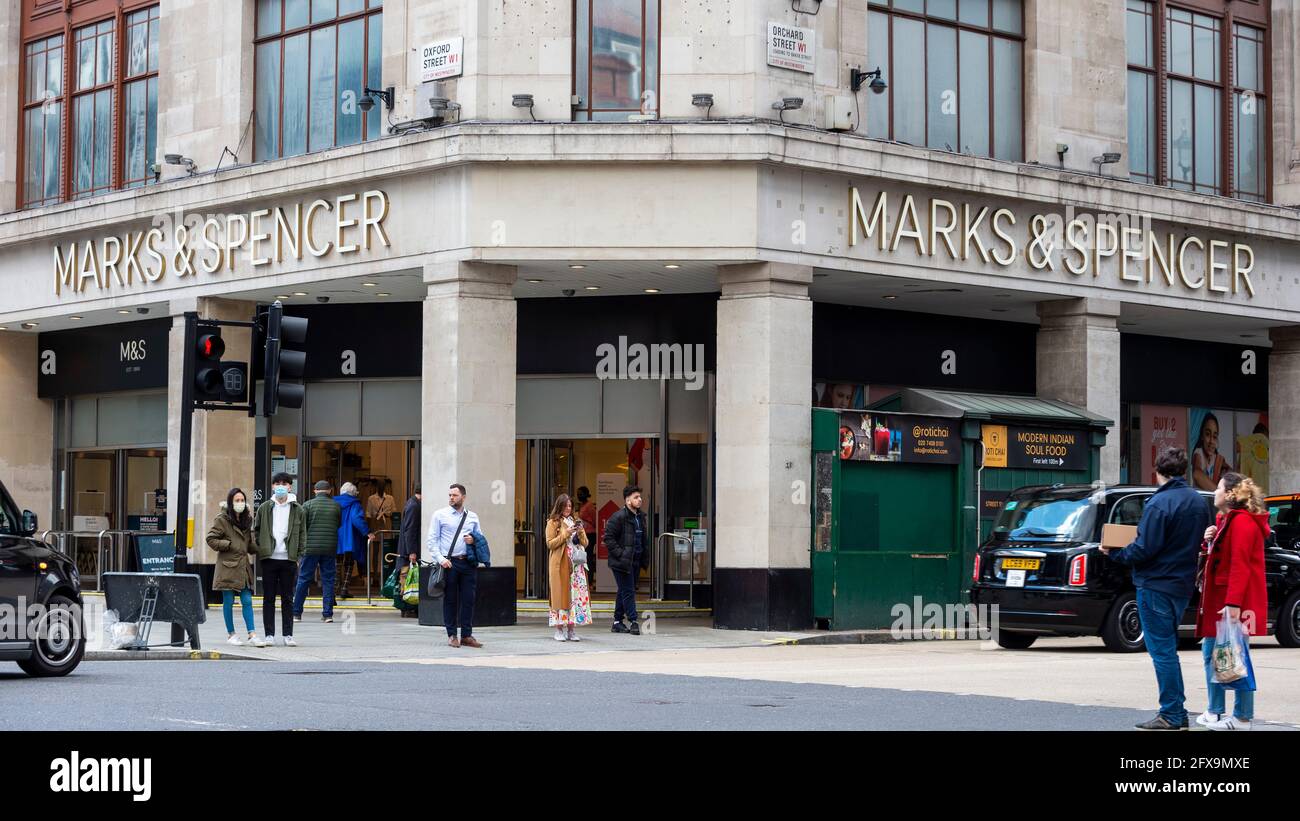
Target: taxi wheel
[[60, 640], [1288, 621], [1015, 641], [1122, 631]]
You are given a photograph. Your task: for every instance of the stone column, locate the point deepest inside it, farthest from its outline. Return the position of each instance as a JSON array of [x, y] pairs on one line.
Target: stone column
[[221, 443], [468, 428], [1078, 362], [1284, 410], [27, 435], [764, 448]]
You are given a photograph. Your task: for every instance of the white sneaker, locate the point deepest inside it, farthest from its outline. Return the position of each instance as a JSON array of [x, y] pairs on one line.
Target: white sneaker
[[559, 634], [289, 642], [235, 640], [269, 641], [256, 640], [1230, 723], [1207, 718], [573, 636]]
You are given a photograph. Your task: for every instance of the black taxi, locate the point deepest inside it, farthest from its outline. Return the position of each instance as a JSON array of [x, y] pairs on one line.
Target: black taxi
[[1043, 568], [41, 623]]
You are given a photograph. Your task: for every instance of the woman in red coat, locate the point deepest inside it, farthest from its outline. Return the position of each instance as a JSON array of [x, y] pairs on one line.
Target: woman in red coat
[[1234, 583]]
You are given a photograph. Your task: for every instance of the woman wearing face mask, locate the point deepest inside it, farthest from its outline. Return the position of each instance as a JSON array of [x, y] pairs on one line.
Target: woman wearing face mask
[[231, 535]]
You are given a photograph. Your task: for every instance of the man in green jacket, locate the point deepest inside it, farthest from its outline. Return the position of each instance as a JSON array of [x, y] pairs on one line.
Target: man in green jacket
[[323, 519], [279, 531]]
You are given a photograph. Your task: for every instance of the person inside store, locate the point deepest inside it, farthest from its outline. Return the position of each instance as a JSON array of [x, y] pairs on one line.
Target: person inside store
[[408, 545], [1208, 465], [231, 536], [587, 515], [323, 519], [570, 600], [627, 544], [379, 516], [456, 542], [353, 537], [1163, 560], [1233, 586], [280, 533]]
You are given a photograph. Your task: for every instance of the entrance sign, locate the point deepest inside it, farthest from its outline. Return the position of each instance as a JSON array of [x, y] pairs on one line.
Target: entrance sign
[[156, 553]]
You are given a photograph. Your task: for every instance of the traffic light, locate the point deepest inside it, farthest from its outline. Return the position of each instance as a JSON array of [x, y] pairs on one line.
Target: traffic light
[[283, 362], [214, 380]]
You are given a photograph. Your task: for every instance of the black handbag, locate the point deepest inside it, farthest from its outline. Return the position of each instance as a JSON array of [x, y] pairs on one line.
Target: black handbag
[[438, 573]]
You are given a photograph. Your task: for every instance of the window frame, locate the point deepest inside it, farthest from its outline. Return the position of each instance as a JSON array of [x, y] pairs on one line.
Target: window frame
[[369, 9], [585, 112], [1230, 14], [925, 18], [152, 14], [41, 20]]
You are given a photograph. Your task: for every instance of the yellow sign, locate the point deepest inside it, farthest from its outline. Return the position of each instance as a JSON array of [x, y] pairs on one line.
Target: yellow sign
[[995, 445]]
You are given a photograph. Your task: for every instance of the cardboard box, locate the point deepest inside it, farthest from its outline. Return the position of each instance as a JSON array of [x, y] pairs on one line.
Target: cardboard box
[[1117, 537]]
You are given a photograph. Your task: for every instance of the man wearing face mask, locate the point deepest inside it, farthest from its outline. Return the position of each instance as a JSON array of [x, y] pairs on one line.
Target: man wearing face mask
[[280, 530]]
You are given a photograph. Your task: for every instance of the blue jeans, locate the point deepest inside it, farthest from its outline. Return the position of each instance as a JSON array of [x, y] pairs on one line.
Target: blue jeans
[[1243, 706], [1160, 614], [625, 600], [458, 598], [306, 570], [228, 608]]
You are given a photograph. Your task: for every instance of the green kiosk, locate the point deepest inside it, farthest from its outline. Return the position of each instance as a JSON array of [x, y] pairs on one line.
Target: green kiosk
[[905, 491]]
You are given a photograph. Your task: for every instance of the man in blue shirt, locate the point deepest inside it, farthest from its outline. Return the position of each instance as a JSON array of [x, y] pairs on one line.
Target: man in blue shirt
[[1163, 560], [460, 555]]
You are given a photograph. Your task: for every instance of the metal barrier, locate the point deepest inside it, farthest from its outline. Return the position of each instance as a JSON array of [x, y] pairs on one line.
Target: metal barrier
[[117, 541], [379, 534], [666, 560]]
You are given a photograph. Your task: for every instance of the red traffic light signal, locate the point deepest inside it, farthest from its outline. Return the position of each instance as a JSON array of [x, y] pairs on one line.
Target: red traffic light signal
[[211, 346]]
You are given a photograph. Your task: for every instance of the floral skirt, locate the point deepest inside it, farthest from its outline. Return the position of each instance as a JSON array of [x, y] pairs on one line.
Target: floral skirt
[[579, 611]]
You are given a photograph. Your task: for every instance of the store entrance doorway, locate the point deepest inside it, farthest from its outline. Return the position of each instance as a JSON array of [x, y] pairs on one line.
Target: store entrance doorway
[[114, 490], [593, 472], [385, 473]]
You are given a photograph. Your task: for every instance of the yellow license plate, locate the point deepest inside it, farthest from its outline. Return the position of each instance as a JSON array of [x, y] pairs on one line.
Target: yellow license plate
[[1021, 564]]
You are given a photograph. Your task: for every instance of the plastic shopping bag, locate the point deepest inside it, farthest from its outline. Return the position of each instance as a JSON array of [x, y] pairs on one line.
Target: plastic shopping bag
[[389, 590], [1231, 655], [411, 587]]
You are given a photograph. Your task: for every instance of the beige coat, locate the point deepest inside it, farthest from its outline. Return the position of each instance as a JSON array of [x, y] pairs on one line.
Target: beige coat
[[559, 567], [234, 564]]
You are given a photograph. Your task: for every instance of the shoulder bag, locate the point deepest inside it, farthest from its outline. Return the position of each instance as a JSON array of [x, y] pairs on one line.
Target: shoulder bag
[[438, 573]]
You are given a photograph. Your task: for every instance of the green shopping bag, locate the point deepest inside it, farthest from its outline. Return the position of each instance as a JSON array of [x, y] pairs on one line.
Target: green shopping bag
[[411, 587], [389, 590]]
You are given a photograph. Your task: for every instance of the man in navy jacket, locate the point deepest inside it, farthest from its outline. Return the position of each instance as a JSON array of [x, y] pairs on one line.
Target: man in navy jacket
[[1163, 560]]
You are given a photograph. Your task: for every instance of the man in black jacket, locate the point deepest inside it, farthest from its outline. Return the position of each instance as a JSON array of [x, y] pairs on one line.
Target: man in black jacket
[[628, 542], [408, 545]]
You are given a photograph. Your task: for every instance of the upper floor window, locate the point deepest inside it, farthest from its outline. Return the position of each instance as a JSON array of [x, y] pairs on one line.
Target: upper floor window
[[954, 70], [616, 57], [1197, 96], [90, 101], [314, 59]]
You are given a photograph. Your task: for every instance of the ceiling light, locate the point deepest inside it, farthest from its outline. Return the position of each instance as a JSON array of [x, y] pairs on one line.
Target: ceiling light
[[27, 326], [593, 287], [300, 293], [672, 266], [76, 318], [577, 267], [124, 312], [652, 290], [1000, 310], [370, 284], [535, 281], [890, 296], [382, 294], [282, 296], [3, 328]]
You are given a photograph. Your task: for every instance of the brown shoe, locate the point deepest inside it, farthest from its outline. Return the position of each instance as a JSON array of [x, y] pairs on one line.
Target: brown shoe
[[470, 641], [453, 642]]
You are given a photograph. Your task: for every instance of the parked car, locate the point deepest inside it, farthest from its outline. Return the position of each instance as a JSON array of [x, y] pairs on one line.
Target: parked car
[[41, 624], [1043, 567]]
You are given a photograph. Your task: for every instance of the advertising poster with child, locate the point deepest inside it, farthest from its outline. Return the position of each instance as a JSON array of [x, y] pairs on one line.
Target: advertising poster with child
[[1252, 447], [1213, 444]]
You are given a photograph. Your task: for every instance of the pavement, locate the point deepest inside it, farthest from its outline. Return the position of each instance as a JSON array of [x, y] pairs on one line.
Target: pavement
[[1078, 676]]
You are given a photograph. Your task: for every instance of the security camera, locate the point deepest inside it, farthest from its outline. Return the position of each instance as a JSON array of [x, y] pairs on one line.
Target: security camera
[[568, 292], [142, 310], [322, 299]]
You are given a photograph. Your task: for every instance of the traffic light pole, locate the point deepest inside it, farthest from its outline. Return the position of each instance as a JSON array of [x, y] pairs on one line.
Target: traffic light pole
[[182, 503]]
